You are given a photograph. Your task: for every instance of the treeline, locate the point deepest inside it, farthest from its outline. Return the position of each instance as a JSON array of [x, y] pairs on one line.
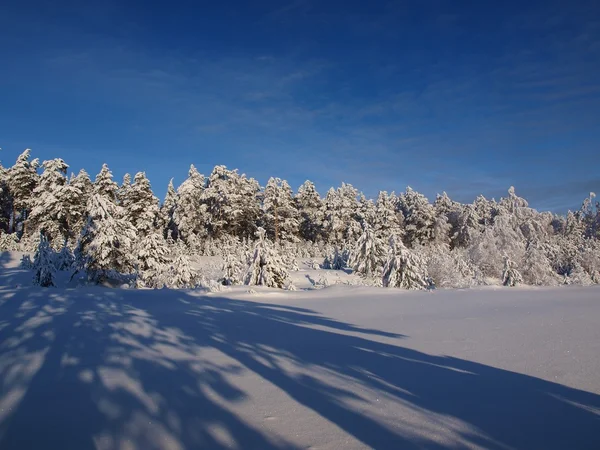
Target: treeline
[[125, 229]]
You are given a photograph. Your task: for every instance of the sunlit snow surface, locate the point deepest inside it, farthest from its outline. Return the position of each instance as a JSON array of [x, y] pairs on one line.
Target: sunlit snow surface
[[337, 368]]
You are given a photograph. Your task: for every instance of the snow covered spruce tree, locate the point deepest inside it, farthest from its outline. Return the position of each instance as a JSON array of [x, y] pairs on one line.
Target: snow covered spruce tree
[[22, 178], [388, 221], [232, 270], [368, 256], [152, 260], [180, 273], [419, 217], [49, 202], [64, 259], [341, 215], [404, 268], [265, 266], [336, 260], [167, 209], [76, 195], [141, 206], [188, 214], [310, 208], [232, 203], [150, 248], [106, 242], [43, 264], [280, 215]]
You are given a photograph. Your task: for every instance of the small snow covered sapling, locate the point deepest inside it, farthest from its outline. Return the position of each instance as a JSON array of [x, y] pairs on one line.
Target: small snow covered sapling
[[180, 273], [265, 267], [26, 262], [510, 275], [336, 260], [43, 264], [232, 267], [323, 282], [65, 258]]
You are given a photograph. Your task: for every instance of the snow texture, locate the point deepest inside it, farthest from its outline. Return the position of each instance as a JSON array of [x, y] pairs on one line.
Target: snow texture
[[340, 367]]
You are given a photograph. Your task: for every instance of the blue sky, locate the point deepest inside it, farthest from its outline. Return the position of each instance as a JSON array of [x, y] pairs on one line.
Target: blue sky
[[464, 96]]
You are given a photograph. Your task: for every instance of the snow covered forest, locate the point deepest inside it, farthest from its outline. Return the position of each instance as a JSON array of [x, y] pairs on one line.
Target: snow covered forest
[[101, 231]]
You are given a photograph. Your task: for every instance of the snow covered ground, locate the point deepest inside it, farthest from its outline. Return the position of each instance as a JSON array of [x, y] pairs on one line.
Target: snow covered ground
[[341, 367]]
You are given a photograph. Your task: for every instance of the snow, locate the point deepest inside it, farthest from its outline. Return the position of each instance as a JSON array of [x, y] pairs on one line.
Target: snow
[[340, 367]]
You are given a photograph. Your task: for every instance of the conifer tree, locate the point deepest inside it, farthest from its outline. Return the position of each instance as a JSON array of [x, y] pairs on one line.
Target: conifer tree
[[232, 204], [310, 208], [76, 195], [280, 213], [167, 209], [141, 207], [22, 178], [180, 274], [368, 256], [43, 264], [49, 202], [419, 218], [152, 260], [265, 266], [510, 275], [123, 191], [107, 239], [188, 215], [341, 213], [64, 259], [232, 270], [404, 268], [388, 222]]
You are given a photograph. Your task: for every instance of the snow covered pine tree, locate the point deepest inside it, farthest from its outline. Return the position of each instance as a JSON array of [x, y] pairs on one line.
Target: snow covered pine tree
[[265, 266]]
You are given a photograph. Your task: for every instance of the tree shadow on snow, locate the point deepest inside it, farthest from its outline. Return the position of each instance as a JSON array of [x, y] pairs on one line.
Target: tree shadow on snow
[[10, 273], [94, 368]]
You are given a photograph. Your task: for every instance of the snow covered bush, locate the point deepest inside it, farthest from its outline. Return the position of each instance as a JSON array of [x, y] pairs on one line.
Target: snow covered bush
[[265, 266], [536, 268], [485, 256], [404, 269], [448, 268], [579, 276], [589, 259]]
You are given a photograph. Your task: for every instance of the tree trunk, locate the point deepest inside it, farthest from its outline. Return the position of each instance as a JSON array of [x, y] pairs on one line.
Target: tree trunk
[[276, 225]]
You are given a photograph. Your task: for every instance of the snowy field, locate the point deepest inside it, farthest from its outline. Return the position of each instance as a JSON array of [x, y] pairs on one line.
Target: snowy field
[[342, 367]]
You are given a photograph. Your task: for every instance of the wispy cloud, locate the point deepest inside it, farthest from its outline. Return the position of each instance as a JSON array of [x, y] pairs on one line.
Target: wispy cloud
[[438, 115]]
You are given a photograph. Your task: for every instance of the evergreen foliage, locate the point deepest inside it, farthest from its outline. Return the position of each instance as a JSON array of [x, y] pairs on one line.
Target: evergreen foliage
[[122, 230], [43, 264], [265, 266]]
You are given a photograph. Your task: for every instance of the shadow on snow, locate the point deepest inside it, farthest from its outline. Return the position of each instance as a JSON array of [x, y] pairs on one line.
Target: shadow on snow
[[97, 368]]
